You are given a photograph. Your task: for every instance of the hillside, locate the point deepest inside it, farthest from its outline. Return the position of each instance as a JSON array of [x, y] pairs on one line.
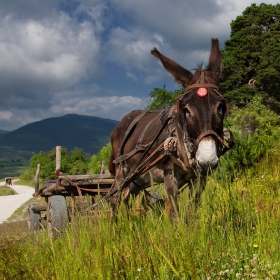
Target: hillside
[[69, 131], [3, 131]]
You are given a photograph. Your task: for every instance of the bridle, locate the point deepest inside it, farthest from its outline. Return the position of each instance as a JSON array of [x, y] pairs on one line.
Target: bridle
[[201, 84]]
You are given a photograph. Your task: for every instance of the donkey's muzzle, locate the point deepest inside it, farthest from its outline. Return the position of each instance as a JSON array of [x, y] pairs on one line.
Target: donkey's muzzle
[[206, 155]]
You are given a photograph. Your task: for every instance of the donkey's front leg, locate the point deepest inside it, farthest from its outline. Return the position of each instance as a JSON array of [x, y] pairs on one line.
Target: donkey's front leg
[[114, 198], [171, 188]]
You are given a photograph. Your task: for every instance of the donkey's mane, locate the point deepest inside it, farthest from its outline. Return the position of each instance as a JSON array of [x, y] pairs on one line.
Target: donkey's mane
[[210, 75]]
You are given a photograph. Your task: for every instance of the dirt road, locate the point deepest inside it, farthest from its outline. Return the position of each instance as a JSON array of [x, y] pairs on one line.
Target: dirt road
[[10, 203]]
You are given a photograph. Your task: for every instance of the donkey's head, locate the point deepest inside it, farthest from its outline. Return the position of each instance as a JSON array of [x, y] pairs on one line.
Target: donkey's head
[[201, 106]]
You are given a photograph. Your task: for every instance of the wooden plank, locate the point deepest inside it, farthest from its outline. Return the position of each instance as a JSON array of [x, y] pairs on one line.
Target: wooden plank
[[87, 177], [94, 183]]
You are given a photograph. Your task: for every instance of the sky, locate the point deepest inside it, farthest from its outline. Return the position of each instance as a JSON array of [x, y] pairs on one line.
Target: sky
[[92, 57]]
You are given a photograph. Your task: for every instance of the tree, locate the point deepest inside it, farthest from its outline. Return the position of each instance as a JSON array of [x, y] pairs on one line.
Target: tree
[[78, 161], [161, 98], [74, 163], [251, 63], [94, 165]]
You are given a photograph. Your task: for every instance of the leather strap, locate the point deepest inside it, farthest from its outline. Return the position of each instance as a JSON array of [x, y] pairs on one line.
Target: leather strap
[[132, 124], [205, 133], [205, 85]]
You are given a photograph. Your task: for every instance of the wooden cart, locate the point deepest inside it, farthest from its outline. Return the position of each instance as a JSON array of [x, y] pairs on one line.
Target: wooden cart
[[56, 211], [55, 192]]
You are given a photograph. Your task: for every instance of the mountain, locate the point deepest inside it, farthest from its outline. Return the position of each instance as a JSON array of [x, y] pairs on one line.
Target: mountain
[[69, 131], [3, 132]]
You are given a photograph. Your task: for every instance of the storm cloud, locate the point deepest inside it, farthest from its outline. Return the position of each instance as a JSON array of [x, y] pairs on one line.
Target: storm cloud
[[93, 57]]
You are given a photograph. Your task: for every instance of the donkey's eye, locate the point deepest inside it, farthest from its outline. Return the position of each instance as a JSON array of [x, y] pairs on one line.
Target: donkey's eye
[[187, 113], [221, 109]]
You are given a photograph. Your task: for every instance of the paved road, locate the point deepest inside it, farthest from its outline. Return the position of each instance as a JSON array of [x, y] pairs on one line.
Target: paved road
[[10, 203]]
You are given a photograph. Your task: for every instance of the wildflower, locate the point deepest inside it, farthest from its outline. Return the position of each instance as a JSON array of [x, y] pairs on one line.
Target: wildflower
[[238, 275], [255, 246], [138, 269]]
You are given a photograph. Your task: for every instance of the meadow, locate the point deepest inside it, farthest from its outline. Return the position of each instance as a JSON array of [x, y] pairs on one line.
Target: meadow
[[233, 235], [12, 167]]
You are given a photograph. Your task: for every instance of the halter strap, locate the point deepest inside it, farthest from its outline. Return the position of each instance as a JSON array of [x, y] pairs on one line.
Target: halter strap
[[206, 85], [200, 84], [206, 133]]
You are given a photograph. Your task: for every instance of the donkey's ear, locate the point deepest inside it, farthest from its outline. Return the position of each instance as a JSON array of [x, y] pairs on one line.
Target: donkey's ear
[[215, 59], [179, 74]]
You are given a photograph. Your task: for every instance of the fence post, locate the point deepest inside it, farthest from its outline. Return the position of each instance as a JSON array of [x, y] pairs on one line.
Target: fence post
[[36, 180], [57, 157]]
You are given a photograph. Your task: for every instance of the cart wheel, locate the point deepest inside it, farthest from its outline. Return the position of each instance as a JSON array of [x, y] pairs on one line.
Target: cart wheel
[[34, 218], [57, 216]]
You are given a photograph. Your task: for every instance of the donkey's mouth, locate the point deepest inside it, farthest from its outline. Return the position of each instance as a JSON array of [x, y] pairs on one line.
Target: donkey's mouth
[[206, 168], [206, 156]]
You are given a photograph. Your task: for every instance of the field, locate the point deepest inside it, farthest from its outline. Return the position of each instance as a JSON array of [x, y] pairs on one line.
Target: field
[[12, 167], [233, 235]]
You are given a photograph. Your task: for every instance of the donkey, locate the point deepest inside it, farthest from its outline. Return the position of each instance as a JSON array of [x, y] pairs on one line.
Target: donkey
[[176, 145]]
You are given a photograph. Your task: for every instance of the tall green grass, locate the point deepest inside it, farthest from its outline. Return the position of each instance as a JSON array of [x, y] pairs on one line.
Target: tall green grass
[[233, 235], [5, 190]]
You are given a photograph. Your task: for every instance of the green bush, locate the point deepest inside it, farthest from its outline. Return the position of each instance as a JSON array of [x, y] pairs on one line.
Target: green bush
[[255, 130], [75, 162], [103, 155]]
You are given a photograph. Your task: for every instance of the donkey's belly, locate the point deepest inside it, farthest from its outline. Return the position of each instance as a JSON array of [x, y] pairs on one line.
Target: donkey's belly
[[154, 175]]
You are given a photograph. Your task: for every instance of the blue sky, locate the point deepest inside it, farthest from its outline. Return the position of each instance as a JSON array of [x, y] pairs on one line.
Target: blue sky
[[92, 57]]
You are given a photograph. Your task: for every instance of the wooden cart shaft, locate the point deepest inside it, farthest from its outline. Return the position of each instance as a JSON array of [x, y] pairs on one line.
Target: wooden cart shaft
[[90, 184]]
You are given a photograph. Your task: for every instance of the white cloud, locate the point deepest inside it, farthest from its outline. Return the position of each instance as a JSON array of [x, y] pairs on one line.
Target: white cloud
[[5, 115], [112, 107], [131, 48], [54, 53], [45, 56]]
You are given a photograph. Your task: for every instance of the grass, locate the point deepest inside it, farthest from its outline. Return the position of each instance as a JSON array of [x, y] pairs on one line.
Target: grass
[[12, 171], [233, 235], [25, 183], [4, 190], [12, 168]]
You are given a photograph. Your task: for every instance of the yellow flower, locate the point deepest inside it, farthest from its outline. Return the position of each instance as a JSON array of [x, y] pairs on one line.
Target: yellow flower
[[255, 246]]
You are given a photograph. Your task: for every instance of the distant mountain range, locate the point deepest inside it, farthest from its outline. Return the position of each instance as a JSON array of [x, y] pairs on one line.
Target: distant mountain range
[[69, 131], [3, 131]]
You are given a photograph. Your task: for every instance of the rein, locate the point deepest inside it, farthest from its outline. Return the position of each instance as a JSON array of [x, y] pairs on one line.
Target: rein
[[161, 151]]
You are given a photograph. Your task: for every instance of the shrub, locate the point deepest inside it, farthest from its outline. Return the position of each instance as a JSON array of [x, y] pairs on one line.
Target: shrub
[[256, 130], [103, 155], [75, 162]]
